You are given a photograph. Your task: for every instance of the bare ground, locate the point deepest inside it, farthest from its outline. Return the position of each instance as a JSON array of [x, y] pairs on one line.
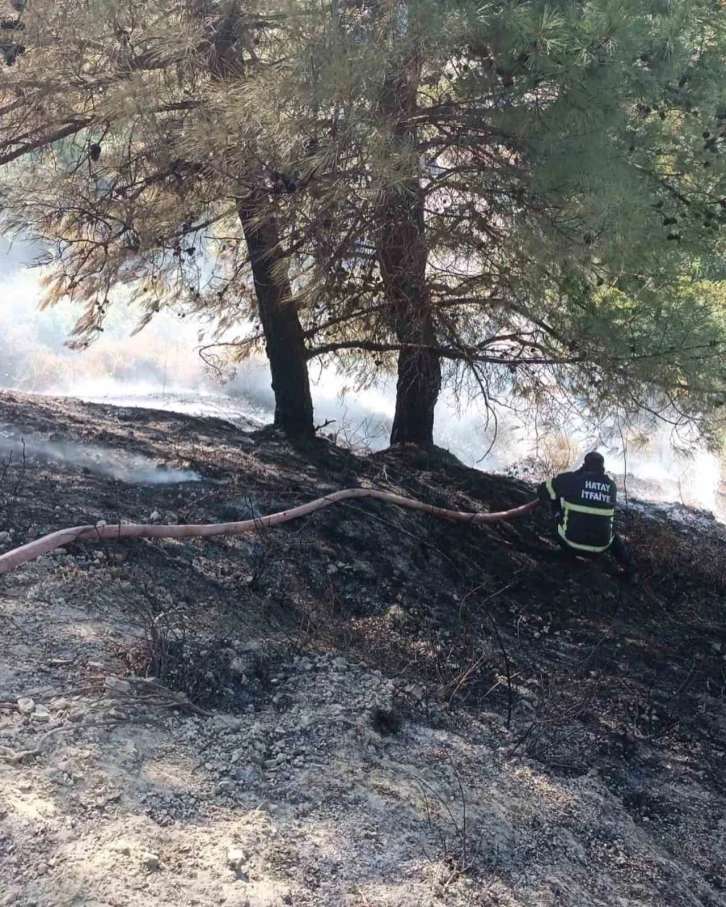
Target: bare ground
[[368, 708]]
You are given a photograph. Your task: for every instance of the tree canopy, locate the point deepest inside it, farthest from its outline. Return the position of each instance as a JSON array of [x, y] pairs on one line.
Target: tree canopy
[[520, 198]]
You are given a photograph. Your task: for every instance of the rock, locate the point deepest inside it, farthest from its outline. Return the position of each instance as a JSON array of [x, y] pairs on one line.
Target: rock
[[14, 896], [26, 705], [25, 787], [235, 858], [150, 862], [118, 686], [41, 714], [227, 723], [416, 691], [123, 848], [60, 705], [4, 538], [155, 517]]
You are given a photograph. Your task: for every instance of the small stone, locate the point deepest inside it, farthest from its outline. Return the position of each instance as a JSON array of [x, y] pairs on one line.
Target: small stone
[[25, 787], [100, 524], [60, 705], [235, 858], [150, 862], [116, 685], [14, 896], [155, 517], [4, 538], [332, 569], [41, 869], [26, 705], [41, 714]]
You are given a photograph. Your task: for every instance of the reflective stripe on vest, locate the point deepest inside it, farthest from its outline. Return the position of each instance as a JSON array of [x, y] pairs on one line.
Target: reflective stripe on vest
[[550, 489], [562, 529], [595, 511]]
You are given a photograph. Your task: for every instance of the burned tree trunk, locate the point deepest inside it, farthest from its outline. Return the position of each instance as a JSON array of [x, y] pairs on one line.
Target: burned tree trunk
[[284, 340], [402, 257]]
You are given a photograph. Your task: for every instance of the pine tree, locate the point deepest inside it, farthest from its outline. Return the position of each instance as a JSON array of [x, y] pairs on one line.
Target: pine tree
[[120, 152], [532, 193], [520, 198]]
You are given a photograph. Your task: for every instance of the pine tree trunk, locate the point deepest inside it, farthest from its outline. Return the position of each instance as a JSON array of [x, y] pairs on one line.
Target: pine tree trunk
[[284, 340], [402, 257], [419, 383]]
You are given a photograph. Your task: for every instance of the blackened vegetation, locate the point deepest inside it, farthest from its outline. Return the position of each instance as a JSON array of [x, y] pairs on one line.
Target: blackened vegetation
[[386, 722], [12, 476], [215, 673]]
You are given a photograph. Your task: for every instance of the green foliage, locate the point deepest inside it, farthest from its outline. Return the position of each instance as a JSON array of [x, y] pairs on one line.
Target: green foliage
[[568, 158], [571, 160]]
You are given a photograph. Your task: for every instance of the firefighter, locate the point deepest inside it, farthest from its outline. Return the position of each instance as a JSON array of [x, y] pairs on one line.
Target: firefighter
[[583, 508]]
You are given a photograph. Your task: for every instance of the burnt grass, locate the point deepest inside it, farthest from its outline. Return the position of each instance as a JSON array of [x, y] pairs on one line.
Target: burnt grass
[[591, 673]]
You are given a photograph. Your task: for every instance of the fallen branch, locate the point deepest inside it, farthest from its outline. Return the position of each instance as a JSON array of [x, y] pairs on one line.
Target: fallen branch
[[11, 560]]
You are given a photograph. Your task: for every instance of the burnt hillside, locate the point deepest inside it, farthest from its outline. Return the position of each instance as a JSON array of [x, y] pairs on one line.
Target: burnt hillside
[[575, 674]]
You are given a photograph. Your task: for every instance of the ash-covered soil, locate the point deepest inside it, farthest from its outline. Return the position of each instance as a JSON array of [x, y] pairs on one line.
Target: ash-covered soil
[[369, 707]]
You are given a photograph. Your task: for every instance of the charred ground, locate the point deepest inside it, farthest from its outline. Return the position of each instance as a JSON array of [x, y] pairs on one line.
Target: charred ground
[[579, 674]]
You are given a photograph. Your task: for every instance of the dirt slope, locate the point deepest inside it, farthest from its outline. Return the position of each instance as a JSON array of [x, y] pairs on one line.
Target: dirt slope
[[368, 708]]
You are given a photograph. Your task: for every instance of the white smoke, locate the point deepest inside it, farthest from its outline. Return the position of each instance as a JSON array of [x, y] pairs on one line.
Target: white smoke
[[122, 465], [159, 368]]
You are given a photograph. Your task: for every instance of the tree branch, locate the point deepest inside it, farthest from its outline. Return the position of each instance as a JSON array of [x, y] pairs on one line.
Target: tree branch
[[49, 138], [445, 352]]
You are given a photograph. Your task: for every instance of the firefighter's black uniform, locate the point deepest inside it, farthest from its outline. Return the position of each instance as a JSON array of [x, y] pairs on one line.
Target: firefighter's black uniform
[[583, 506]]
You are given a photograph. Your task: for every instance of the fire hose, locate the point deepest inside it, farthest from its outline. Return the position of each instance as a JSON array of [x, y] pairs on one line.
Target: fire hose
[[11, 560]]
